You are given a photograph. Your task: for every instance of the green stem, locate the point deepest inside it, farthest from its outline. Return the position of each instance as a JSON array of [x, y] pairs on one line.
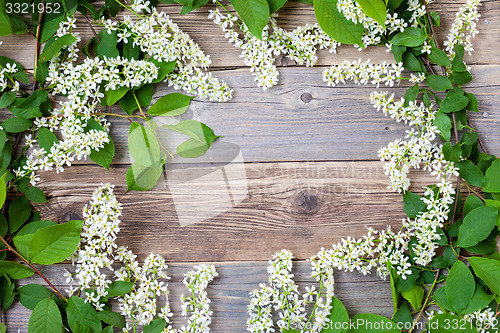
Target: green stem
[[426, 300]]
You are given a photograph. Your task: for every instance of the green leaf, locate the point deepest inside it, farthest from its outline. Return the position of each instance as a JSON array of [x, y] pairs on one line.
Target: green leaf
[[372, 323], [439, 57], [81, 314], [492, 178], [338, 314], [107, 46], [172, 104], [454, 102], [488, 270], [119, 288], [50, 23], [436, 20], [254, 13], [112, 318], [112, 96], [144, 95], [398, 51], [31, 294], [50, 50], [54, 244], [375, 9], [45, 318], [411, 94], [470, 172], [479, 301], [103, 156], [3, 190], [492, 203], [438, 82], [477, 225], [143, 145], [155, 326], [191, 148], [3, 328], [335, 24], [473, 104], [452, 152], [164, 68], [16, 125], [443, 123], [460, 286], [46, 139], [415, 296], [442, 300], [461, 78], [70, 6], [458, 62], [7, 293], [195, 130], [15, 270], [411, 37], [143, 178], [7, 99], [19, 211], [403, 317], [275, 5], [34, 100], [413, 204], [411, 62], [471, 203], [447, 323], [23, 238]]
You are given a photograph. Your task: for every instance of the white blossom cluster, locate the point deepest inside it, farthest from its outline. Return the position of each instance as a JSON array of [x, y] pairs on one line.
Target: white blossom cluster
[[464, 28], [416, 150], [299, 45], [161, 39], [282, 294], [484, 320], [95, 251], [198, 304], [98, 251], [364, 72], [6, 75]]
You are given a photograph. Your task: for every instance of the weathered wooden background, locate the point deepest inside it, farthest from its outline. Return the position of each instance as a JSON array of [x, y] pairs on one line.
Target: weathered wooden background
[[306, 173]]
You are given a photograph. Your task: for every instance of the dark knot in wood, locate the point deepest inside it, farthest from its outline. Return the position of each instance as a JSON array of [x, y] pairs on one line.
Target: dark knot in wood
[[307, 201], [69, 216], [306, 97]]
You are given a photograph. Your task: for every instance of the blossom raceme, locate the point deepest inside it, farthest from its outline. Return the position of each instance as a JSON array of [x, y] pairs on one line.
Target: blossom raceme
[[99, 262]]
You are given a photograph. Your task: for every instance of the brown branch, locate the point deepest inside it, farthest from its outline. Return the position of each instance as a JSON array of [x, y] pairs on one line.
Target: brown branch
[[33, 268], [37, 48]]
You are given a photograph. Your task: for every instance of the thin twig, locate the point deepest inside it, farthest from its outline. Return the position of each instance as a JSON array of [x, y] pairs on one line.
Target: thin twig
[[481, 144], [91, 27], [426, 300], [37, 48]]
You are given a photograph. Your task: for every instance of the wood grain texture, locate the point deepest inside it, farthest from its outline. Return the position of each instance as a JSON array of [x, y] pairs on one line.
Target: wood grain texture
[[239, 211], [336, 123], [229, 292], [293, 14]]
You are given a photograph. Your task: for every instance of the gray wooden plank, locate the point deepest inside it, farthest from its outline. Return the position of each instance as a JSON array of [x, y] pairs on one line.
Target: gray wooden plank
[[239, 211], [338, 123], [277, 125], [229, 292]]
